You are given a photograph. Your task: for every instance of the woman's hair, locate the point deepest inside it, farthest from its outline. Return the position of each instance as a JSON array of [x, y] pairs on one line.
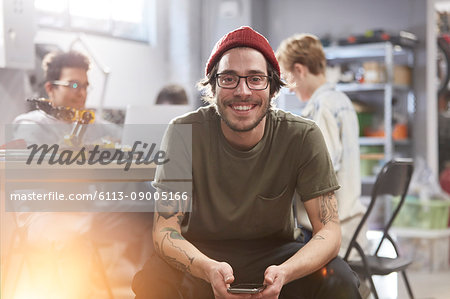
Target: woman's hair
[[305, 49]]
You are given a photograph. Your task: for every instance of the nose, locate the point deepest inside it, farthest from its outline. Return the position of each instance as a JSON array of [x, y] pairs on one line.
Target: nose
[[242, 89], [81, 90]]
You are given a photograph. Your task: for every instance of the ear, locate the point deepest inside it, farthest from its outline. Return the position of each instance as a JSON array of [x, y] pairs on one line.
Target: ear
[[300, 69], [48, 88]]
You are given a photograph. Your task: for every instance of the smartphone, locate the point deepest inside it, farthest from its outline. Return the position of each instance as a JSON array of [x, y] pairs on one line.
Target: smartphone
[[246, 288]]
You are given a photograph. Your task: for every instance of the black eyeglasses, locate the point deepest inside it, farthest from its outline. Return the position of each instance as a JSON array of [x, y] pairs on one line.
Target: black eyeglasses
[[73, 85], [231, 81]]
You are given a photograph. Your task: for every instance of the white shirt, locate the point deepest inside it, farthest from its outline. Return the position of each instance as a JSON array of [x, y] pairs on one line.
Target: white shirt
[[38, 127], [334, 114]]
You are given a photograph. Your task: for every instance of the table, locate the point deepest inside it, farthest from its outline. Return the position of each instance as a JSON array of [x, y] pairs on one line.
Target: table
[[437, 240]]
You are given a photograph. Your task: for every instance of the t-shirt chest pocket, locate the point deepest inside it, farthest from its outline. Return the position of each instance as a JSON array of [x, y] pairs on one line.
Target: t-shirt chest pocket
[[271, 211], [274, 196]]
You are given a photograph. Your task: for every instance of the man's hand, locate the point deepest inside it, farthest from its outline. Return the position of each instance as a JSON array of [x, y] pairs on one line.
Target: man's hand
[[274, 279], [221, 276]]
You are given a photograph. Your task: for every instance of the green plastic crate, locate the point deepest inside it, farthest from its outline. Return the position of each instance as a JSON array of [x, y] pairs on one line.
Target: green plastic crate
[[431, 214]]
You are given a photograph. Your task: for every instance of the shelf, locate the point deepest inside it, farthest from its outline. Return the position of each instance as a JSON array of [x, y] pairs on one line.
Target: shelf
[[381, 141], [358, 87], [412, 232], [370, 50], [402, 142], [372, 140], [389, 55], [372, 156]]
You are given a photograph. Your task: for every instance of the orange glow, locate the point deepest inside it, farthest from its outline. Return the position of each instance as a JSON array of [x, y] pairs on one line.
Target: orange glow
[[324, 272]]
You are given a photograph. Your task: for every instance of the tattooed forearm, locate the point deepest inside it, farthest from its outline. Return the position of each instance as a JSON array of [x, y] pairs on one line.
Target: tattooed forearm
[[167, 241], [174, 234], [318, 237], [328, 211], [177, 265]]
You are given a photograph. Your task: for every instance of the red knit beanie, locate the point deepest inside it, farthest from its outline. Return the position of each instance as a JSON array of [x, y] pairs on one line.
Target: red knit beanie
[[242, 37]]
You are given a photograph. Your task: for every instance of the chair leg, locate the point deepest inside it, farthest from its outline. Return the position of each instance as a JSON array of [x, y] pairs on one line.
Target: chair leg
[[408, 286], [372, 287]]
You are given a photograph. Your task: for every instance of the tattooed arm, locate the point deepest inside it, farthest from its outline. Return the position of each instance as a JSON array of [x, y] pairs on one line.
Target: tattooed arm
[[171, 245], [323, 247], [183, 255]]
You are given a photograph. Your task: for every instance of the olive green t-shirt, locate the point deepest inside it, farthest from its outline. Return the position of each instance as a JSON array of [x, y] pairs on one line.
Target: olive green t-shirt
[[244, 195]]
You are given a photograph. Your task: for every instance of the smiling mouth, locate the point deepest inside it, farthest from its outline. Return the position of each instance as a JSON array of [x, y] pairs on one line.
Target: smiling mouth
[[243, 108]]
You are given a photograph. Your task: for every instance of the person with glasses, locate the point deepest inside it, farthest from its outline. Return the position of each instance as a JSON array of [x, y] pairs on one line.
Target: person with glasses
[[302, 61], [66, 79], [66, 85], [71, 239], [248, 159]]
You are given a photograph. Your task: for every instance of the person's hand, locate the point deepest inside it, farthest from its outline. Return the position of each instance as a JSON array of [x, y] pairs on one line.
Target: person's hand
[[221, 276], [274, 279]]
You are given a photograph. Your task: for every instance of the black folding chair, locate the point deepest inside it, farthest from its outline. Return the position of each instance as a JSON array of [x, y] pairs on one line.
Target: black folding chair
[[393, 179]]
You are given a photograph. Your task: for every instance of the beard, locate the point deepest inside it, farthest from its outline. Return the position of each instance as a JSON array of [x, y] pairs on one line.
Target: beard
[[237, 125]]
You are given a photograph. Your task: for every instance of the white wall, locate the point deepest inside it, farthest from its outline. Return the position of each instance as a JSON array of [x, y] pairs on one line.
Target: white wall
[[341, 18], [220, 17]]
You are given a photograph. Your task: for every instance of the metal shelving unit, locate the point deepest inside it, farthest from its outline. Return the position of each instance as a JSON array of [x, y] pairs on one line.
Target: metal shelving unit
[[390, 55]]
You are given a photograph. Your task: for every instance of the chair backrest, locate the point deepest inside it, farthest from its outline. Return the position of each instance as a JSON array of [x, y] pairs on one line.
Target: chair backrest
[[393, 179]]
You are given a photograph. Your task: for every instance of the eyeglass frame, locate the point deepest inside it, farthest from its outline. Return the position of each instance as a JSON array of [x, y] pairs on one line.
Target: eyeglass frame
[[246, 81], [70, 84]]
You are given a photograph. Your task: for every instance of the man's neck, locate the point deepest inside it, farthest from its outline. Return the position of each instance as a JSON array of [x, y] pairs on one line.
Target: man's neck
[[243, 140], [312, 84]]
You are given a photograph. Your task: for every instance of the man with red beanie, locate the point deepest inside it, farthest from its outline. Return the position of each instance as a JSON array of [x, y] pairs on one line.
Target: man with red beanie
[[248, 159]]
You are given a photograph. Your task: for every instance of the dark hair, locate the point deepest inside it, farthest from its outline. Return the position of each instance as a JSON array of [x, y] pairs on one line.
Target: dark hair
[[173, 94], [54, 62], [207, 85]]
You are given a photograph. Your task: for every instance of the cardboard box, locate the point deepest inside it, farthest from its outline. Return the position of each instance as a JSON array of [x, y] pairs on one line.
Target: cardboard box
[[375, 72], [402, 75]]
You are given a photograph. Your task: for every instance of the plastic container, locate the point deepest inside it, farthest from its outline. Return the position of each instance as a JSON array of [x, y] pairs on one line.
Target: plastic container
[[431, 214], [369, 165], [365, 120]]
